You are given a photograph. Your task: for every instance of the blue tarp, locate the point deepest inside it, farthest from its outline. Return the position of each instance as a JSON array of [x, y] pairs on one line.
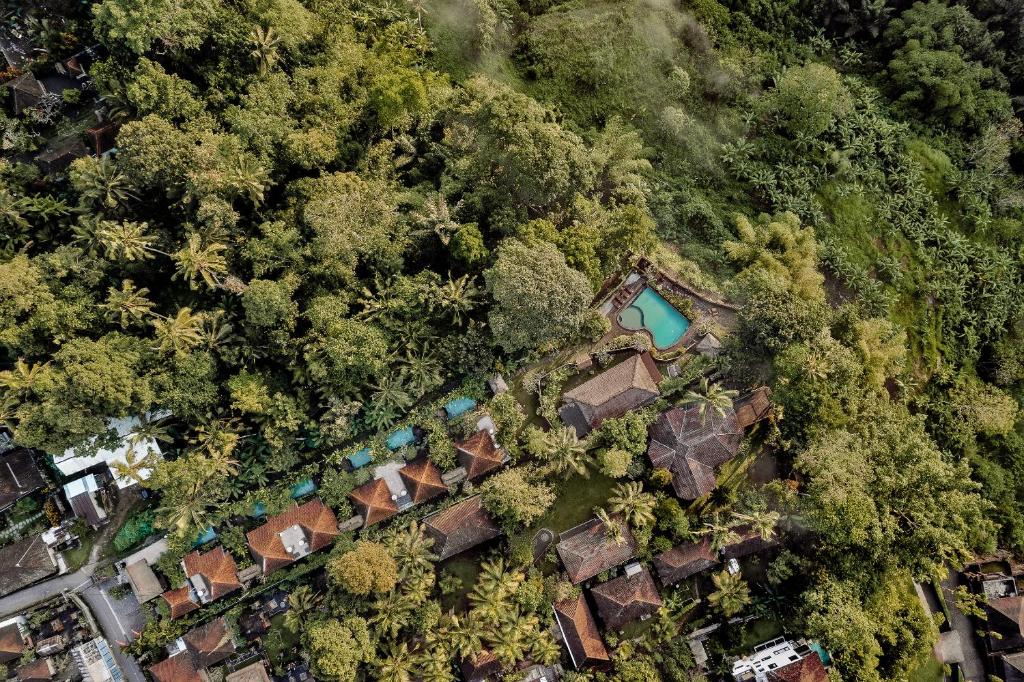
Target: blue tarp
[[208, 535], [459, 406], [258, 510], [401, 438], [360, 459], [303, 488]]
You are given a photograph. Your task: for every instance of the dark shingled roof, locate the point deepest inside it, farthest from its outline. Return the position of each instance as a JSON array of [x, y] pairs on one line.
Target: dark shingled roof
[[460, 527], [580, 633], [1006, 616], [23, 563], [373, 501], [423, 480], [586, 550], [205, 645], [314, 518], [685, 560], [1013, 667], [479, 454], [19, 476], [754, 407], [749, 542], [691, 446], [12, 644], [612, 393], [807, 669], [480, 667], [626, 598], [217, 569]]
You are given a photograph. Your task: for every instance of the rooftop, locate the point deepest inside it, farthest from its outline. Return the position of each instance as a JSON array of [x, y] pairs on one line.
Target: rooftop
[[691, 445], [23, 563], [579, 631], [213, 574], [19, 476], [685, 560], [374, 501], [612, 393], [460, 527], [627, 598], [479, 454], [293, 534], [587, 550], [83, 457], [422, 480]]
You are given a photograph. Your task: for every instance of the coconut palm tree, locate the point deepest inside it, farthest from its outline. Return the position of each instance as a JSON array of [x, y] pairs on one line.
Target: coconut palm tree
[[126, 241], [128, 305], [180, 333], [264, 51], [22, 377], [393, 612], [710, 396], [433, 665], [564, 452], [630, 500], [721, 534], [186, 512], [731, 593], [456, 298], [436, 217], [196, 261], [220, 463], [301, 602], [101, 184], [764, 522], [543, 647], [509, 641], [12, 210], [249, 179], [612, 528], [411, 549], [396, 665], [463, 635], [421, 370], [391, 391]]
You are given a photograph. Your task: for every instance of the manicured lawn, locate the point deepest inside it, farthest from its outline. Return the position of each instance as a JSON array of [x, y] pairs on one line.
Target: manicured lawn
[[930, 670], [77, 557], [577, 498], [278, 642]]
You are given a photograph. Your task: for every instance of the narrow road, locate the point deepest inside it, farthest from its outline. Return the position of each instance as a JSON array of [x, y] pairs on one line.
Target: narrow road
[[20, 601]]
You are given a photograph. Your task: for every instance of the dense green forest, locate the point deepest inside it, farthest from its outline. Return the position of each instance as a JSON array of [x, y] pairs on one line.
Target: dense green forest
[[323, 214]]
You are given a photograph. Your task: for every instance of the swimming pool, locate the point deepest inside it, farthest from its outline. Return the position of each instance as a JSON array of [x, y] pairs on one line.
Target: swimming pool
[[652, 312]]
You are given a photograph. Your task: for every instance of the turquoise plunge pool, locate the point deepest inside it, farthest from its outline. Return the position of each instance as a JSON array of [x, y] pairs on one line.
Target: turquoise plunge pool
[[652, 312]]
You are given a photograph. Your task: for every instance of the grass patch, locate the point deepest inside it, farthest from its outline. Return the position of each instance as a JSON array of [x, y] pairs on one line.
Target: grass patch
[[77, 557], [465, 567], [577, 498], [279, 641], [757, 631], [930, 670]]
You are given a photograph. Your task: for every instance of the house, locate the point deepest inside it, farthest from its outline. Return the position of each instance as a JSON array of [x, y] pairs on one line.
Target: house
[[461, 526], [589, 548], [291, 535], [194, 652], [103, 137], [1012, 667], [14, 639], [481, 667], [144, 582], [423, 480], [51, 645], [24, 563], [374, 501], [27, 90], [629, 597], [19, 476], [257, 672], [685, 560], [579, 632], [128, 453], [754, 407], [692, 445], [781, 660], [479, 454], [749, 541], [60, 152], [180, 601], [95, 662], [36, 671], [83, 494], [1005, 623], [612, 393], [211, 575]]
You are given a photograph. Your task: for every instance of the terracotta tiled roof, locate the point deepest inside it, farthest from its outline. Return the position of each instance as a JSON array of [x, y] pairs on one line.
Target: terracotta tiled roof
[[580, 632], [12, 644], [480, 667], [178, 668], [19, 476], [210, 643], [626, 599], [807, 669], [257, 672], [754, 407], [479, 454], [217, 568], [612, 393], [37, 670], [373, 500], [314, 518], [180, 601], [749, 542], [461, 526], [691, 446], [423, 480], [685, 560], [586, 550]]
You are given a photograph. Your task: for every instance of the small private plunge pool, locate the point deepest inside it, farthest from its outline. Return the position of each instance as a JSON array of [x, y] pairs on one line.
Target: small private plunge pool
[[652, 312]]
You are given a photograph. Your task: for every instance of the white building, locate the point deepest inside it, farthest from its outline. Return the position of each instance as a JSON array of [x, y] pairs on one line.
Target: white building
[[96, 663], [769, 658], [129, 450]]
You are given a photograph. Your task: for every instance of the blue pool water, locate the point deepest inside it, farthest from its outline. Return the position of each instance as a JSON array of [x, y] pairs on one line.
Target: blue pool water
[[652, 312], [401, 438], [459, 406]]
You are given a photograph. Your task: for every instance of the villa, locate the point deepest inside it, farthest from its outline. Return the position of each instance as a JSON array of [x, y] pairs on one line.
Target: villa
[[479, 454], [422, 480], [782, 660], [684, 561], [629, 597], [460, 527], [292, 535], [629, 385], [374, 501], [194, 652], [13, 639], [212, 575], [579, 632], [130, 449], [587, 549], [180, 601]]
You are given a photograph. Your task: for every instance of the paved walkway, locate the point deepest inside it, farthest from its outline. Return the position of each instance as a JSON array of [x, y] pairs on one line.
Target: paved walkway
[[973, 668]]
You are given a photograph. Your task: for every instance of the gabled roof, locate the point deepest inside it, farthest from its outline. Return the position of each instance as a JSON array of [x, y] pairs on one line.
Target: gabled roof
[[257, 672], [612, 393], [37, 670], [180, 601], [373, 501], [314, 519], [19, 476], [1006, 616], [217, 569], [691, 445], [481, 666], [749, 542], [754, 407], [626, 598], [23, 563], [586, 550], [178, 668], [461, 526], [143, 581], [423, 480], [1013, 667], [210, 643], [479, 454], [685, 560], [12, 643], [807, 669], [579, 630]]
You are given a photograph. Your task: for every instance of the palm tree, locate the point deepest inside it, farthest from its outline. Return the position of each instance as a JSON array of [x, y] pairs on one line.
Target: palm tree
[[630, 500], [180, 333], [133, 466], [560, 447], [12, 211], [195, 261], [722, 535], [249, 179], [509, 642], [543, 647], [456, 297], [437, 218], [188, 511], [129, 305], [422, 371], [463, 635], [301, 602], [731, 593], [264, 51], [763, 522], [434, 665], [393, 612], [711, 396], [396, 665], [101, 184], [612, 528], [221, 464], [126, 241], [22, 377], [392, 392], [411, 549]]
